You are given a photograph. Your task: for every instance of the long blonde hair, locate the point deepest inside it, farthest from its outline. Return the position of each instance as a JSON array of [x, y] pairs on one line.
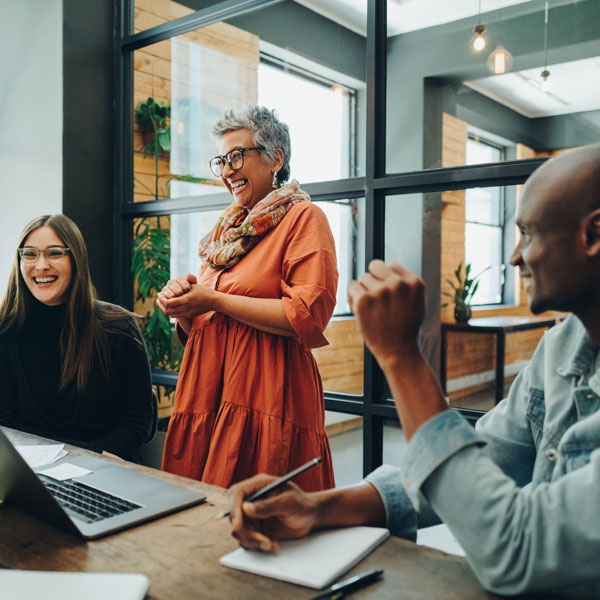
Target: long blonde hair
[[83, 330]]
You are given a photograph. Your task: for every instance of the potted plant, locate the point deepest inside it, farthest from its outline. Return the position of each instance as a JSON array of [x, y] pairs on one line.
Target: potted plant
[[464, 289]]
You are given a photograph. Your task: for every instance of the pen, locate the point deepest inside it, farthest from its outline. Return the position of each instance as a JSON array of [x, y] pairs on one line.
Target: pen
[[275, 484], [338, 590]]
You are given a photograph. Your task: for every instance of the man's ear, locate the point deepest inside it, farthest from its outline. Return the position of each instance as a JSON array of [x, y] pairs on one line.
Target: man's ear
[[592, 231]]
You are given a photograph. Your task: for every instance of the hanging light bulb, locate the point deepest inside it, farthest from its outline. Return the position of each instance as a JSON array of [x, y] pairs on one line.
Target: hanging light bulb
[[478, 41], [500, 60], [546, 84]]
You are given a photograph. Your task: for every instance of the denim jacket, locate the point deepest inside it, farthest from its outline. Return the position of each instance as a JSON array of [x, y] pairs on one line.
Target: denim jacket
[[521, 493]]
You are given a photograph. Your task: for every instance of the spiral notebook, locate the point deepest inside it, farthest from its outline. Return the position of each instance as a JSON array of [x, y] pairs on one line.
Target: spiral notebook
[[315, 561]]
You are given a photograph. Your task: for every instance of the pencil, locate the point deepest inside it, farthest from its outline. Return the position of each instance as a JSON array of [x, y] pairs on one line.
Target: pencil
[[258, 494]]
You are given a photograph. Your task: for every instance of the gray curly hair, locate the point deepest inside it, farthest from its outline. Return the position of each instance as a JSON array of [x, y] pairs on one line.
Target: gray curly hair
[[267, 131]]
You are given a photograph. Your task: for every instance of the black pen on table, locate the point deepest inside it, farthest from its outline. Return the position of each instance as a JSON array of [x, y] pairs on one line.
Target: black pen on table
[[339, 590], [258, 494]]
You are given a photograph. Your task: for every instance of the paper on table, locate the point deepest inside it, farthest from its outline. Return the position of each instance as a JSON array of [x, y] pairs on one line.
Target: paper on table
[[36, 456], [441, 538], [316, 560], [64, 471], [33, 585]]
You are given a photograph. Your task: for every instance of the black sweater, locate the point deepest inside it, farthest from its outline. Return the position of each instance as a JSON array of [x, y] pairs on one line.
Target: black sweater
[[115, 415]]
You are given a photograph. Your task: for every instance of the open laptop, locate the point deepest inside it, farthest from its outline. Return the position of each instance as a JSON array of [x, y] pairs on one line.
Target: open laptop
[[105, 500]]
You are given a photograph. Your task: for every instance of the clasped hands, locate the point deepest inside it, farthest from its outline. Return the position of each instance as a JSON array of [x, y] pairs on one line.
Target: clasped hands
[[183, 297]]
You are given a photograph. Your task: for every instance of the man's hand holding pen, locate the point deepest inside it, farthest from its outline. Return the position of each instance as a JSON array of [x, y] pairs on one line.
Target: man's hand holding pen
[[286, 514]]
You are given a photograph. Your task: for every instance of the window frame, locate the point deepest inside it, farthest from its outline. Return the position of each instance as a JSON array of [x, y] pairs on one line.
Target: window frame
[[373, 404], [502, 220]]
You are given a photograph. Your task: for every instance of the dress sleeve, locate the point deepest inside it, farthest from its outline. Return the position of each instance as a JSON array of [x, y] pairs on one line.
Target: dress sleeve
[[309, 276], [136, 420]]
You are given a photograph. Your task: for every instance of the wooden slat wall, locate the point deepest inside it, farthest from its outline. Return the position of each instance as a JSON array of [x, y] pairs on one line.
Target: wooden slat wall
[[454, 148], [341, 363]]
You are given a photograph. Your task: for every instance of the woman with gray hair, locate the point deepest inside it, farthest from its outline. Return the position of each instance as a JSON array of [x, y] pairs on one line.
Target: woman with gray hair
[[249, 396]]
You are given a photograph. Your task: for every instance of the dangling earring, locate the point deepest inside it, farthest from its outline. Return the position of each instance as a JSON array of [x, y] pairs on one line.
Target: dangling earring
[[275, 181]]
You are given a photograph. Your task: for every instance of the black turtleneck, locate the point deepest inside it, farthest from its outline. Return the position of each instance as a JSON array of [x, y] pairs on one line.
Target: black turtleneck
[[116, 415], [39, 351]]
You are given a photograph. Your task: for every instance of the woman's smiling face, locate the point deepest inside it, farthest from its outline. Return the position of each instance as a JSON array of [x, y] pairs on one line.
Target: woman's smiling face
[[254, 180], [48, 281]]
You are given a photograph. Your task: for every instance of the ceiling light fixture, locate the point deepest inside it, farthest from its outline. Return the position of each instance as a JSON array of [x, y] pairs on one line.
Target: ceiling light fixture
[[546, 84], [500, 60], [478, 41]]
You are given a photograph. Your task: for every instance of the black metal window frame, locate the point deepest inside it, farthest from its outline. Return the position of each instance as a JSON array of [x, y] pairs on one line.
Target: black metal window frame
[[372, 405]]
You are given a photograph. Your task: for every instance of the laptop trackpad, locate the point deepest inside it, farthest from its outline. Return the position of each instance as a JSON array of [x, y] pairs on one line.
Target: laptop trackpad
[[118, 481]]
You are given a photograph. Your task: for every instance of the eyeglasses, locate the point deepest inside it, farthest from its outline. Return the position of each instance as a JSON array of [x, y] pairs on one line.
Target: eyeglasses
[[52, 253], [234, 158]]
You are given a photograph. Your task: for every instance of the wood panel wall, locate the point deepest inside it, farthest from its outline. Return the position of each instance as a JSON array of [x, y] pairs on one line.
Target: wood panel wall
[[341, 363], [152, 77]]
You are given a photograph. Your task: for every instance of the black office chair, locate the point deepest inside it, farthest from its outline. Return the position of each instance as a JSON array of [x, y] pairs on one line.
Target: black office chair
[[150, 453]]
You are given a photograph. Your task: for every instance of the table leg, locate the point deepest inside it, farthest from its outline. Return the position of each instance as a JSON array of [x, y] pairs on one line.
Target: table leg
[[500, 349], [443, 362]]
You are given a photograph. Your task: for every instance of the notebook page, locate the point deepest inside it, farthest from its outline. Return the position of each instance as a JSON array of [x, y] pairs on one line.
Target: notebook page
[[315, 561]]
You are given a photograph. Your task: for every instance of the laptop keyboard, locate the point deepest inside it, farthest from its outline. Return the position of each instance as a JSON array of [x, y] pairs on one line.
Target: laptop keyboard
[[86, 503]]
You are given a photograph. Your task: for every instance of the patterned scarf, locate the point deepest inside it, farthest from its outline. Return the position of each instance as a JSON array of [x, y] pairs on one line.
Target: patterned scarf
[[237, 231]]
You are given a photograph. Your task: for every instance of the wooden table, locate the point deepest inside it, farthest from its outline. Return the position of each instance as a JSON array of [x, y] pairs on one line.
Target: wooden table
[[179, 554], [498, 326]]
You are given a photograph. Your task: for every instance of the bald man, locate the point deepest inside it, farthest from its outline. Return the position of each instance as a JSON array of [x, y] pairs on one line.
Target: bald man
[[521, 493]]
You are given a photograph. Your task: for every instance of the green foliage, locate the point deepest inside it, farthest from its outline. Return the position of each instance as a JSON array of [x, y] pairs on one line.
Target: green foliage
[[154, 117], [151, 249], [150, 268], [464, 288]]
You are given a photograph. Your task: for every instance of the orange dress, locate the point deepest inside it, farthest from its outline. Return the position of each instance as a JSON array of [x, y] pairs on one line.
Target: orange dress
[[248, 401]]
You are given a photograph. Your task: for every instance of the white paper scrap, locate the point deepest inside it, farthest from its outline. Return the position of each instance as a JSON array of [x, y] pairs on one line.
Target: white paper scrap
[[44, 454], [64, 471]]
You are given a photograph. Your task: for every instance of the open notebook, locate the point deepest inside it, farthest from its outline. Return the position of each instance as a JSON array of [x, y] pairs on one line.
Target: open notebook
[[315, 561]]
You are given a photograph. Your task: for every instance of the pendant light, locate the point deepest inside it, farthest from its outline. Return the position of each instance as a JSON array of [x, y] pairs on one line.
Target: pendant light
[[478, 41], [500, 60], [546, 84]]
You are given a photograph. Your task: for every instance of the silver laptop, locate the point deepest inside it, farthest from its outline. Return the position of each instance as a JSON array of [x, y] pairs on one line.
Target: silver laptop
[[108, 499]]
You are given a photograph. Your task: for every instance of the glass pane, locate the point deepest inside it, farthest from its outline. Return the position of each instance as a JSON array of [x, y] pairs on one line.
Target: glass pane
[[341, 217], [438, 100], [483, 251], [484, 205], [470, 358], [295, 96], [151, 260], [341, 363], [183, 85], [403, 231]]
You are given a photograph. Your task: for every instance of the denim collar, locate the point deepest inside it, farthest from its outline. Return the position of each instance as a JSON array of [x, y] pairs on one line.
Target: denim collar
[[582, 362]]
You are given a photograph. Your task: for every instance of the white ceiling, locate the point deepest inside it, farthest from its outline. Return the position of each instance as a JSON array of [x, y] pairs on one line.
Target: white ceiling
[[404, 15], [574, 88], [574, 84]]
